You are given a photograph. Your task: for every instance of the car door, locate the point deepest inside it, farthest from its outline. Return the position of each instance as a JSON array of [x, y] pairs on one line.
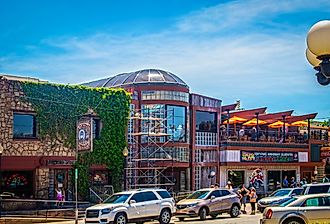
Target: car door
[[316, 209], [214, 201], [137, 209], [152, 204], [226, 199]]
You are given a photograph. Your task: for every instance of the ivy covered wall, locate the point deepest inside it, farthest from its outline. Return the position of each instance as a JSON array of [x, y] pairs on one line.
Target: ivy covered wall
[[58, 107]]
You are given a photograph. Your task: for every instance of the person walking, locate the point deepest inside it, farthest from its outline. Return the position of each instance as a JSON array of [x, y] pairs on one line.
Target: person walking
[[285, 182], [244, 193], [229, 185], [59, 196], [253, 200]]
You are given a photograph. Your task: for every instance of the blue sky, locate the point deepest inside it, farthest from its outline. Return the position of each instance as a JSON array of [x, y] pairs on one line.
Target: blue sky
[[253, 50]]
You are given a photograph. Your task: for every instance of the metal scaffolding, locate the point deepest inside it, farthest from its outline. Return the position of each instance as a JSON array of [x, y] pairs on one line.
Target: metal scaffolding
[[149, 163]]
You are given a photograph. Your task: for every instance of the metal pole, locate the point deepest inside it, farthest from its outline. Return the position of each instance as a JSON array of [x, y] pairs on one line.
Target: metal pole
[[76, 187], [283, 128], [0, 184], [125, 173], [257, 114], [228, 117]]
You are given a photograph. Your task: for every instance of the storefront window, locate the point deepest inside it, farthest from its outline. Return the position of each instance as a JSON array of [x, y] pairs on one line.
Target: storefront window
[[276, 177], [100, 177], [176, 123], [18, 182], [236, 178], [24, 126], [206, 121], [165, 95]]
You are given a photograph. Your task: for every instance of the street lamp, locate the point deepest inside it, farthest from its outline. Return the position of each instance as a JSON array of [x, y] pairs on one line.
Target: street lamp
[[1, 151], [125, 154], [211, 176], [318, 51]]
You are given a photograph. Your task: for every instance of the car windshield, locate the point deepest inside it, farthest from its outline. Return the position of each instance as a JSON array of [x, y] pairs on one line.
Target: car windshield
[[198, 195], [288, 202], [280, 193], [117, 198]]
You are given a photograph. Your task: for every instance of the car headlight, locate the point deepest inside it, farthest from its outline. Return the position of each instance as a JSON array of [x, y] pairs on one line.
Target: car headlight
[[191, 205], [105, 211]]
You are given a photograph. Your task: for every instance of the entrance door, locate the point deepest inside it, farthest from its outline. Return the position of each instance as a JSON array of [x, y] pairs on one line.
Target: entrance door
[[289, 174], [307, 175], [61, 180]]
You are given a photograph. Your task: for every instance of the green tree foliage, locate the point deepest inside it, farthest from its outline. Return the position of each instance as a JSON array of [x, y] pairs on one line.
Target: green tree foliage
[[58, 108]]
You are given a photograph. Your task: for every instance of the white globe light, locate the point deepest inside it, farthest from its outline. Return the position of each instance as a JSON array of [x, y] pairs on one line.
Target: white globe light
[[318, 38]]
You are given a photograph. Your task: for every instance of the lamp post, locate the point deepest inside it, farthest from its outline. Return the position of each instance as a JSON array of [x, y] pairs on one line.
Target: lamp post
[[211, 176], [1, 151], [318, 50], [125, 154]]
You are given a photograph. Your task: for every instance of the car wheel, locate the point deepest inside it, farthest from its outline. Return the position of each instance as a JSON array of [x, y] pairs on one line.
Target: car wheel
[[203, 213], [165, 216], [234, 211], [214, 216], [293, 221], [120, 219], [181, 219]]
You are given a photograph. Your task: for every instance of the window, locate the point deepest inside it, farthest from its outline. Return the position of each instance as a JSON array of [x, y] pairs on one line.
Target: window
[[165, 95], [149, 196], [313, 202], [215, 193], [318, 189], [206, 121], [224, 192], [176, 122], [138, 197], [24, 126], [297, 191], [96, 128], [164, 194]]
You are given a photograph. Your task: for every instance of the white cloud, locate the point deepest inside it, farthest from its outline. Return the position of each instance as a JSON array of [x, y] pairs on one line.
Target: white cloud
[[203, 48]]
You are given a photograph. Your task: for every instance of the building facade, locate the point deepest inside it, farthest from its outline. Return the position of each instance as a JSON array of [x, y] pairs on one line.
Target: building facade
[[30, 167], [177, 140]]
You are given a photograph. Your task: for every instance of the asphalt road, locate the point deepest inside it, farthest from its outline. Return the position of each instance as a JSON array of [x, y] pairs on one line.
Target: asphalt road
[[221, 219]]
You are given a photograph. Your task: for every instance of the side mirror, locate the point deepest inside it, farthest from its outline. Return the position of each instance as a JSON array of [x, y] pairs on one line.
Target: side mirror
[[212, 197], [132, 202]]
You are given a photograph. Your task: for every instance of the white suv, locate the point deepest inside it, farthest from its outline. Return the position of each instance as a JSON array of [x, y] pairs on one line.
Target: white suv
[[133, 206]]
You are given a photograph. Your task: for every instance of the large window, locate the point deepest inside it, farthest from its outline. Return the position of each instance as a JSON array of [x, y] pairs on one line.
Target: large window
[[24, 126], [165, 95], [206, 121], [176, 123]]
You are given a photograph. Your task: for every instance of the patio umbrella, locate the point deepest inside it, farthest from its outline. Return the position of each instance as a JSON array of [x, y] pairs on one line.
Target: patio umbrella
[[235, 120], [300, 123], [253, 122], [277, 124]]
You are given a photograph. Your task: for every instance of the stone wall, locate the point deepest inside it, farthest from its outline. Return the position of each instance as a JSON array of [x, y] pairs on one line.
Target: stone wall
[[11, 101]]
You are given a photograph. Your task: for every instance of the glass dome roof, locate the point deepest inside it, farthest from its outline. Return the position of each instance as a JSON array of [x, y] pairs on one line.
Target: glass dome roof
[[146, 76]]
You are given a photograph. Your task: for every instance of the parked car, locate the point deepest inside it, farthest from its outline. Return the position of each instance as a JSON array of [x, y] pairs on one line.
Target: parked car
[[303, 209], [278, 197], [209, 201], [316, 188], [133, 206]]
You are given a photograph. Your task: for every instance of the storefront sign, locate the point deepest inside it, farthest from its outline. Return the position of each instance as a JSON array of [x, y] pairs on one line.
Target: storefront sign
[[325, 154], [84, 135], [269, 157], [60, 162]]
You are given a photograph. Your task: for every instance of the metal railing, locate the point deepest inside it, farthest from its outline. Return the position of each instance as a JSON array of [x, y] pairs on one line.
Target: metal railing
[[276, 136]]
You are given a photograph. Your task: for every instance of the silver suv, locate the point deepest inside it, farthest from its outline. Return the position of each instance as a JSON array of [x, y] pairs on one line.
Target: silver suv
[[133, 206]]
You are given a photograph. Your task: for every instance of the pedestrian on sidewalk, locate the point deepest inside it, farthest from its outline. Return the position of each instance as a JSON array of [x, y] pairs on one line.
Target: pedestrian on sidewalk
[[244, 193], [253, 200], [59, 196]]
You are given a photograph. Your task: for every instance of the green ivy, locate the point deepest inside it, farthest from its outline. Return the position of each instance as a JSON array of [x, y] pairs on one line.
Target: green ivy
[[58, 107]]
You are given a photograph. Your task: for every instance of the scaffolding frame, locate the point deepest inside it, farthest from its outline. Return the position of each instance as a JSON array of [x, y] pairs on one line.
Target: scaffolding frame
[[148, 163]]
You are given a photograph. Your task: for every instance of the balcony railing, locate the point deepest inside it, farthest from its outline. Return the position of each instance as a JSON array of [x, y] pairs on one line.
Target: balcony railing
[[271, 136]]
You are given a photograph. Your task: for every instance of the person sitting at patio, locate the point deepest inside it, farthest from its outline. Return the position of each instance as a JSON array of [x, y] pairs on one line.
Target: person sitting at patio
[[253, 133], [241, 133]]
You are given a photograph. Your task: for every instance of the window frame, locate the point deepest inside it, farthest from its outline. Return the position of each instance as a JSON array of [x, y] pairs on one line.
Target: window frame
[[34, 125]]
